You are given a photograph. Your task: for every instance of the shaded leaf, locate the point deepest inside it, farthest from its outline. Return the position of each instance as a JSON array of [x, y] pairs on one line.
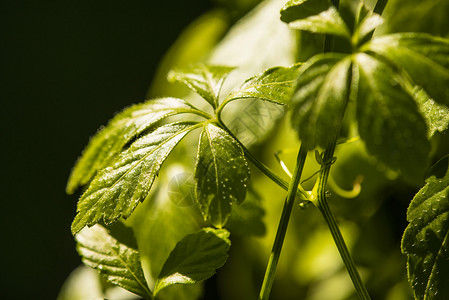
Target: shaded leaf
[[424, 57], [195, 258], [113, 253], [426, 239], [274, 85], [320, 98], [203, 79], [326, 22], [388, 118], [221, 174], [301, 9], [122, 129], [117, 189]]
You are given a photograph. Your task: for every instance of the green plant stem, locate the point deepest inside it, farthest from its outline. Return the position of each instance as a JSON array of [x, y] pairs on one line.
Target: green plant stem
[[380, 6], [323, 206], [283, 224]]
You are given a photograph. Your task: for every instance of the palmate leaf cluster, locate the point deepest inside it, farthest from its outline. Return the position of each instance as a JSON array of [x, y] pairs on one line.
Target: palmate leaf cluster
[[392, 90]]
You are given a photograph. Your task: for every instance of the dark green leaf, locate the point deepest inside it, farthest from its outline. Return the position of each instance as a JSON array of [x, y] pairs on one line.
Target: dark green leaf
[[117, 189], [326, 22], [301, 9], [426, 240], [195, 258], [203, 79], [388, 118], [424, 57], [320, 98], [123, 128], [221, 174], [109, 251], [274, 85]]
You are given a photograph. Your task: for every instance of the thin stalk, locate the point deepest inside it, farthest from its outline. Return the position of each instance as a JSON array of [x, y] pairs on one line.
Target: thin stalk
[[283, 224], [380, 6]]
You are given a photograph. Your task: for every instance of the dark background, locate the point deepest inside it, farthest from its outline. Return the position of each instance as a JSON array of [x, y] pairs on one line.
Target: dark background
[[67, 67]]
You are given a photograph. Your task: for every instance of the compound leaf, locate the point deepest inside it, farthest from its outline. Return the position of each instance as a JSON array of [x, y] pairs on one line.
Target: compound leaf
[[195, 258], [388, 118], [273, 85], [435, 114], [113, 252], [301, 9], [124, 127], [203, 79], [320, 98], [326, 22], [424, 57], [221, 174], [426, 239], [117, 189]]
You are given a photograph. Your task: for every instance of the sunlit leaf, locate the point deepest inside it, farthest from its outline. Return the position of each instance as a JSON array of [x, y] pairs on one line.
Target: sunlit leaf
[[366, 22], [195, 258], [425, 58], [435, 114], [122, 129], [388, 118], [320, 98], [203, 79], [274, 85], [326, 22], [113, 252], [117, 189], [221, 174], [301, 9], [426, 239]]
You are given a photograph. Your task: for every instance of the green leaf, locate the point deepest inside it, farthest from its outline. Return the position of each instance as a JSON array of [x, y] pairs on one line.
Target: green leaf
[[435, 114], [113, 252], [326, 22], [195, 258], [425, 58], [366, 22], [221, 174], [122, 129], [273, 85], [320, 98], [426, 240], [117, 189], [301, 9], [388, 118], [203, 79]]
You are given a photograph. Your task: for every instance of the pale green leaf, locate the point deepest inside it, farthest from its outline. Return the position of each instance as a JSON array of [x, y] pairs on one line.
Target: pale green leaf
[[221, 174], [388, 118], [203, 79], [301, 9], [366, 22], [435, 114], [426, 239], [195, 258], [122, 129], [320, 98], [326, 22], [425, 58], [117, 189], [113, 252], [274, 85]]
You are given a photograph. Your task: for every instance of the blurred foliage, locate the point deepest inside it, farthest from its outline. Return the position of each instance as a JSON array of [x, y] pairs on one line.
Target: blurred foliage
[[310, 268]]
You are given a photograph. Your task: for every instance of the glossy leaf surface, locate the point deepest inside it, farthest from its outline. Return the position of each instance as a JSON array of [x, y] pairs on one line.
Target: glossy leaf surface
[[113, 252], [117, 189], [320, 98], [388, 118], [274, 85], [301, 9], [221, 174], [426, 239], [195, 258], [326, 22], [125, 126], [425, 58], [203, 79]]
